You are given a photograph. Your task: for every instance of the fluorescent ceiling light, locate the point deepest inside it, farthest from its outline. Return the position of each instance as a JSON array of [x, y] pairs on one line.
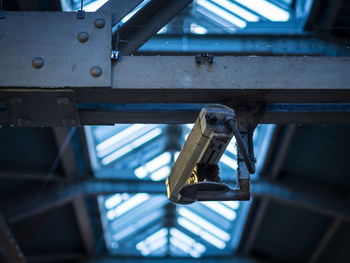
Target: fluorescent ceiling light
[[221, 209], [266, 9], [237, 10], [222, 13]]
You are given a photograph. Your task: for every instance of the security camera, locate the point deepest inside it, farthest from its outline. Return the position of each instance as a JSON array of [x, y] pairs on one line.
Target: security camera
[[195, 174]]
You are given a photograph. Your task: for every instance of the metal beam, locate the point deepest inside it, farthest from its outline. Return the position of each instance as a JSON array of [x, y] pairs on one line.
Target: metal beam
[[245, 44], [85, 228], [282, 151], [325, 240], [29, 176], [69, 164], [68, 159], [172, 89], [321, 203], [267, 74], [119, 8], [147, 22], [256, 226], [9, 244], [237, 259]]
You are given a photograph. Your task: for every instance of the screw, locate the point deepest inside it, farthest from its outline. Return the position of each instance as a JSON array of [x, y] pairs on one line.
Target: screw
[[38, 62], [23, 121], [100, 23], [63, 101], [68, 122], [96, 71], [83, 37], [16, 100]]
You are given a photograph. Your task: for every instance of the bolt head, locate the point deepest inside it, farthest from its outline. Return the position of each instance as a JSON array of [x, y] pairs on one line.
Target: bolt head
[[63, 101], [23, 121], [96, 71], [38, 62], [15, 101], [100, 23], [83, 37]]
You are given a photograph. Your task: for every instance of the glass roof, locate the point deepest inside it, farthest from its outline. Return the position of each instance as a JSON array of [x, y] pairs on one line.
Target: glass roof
[[146, 224]]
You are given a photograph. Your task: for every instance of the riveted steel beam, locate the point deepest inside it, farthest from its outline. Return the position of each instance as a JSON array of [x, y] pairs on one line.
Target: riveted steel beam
[[55, 49]]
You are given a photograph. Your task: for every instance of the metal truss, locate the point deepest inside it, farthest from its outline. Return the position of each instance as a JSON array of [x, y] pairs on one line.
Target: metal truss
[[26, 207]]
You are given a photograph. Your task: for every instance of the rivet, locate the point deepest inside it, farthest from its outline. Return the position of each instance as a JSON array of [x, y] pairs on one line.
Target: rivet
[[100, 23], [23, 121], [96, 71], [83, 37], [63, 101], [38, 62], [68, 122], [16, 100]]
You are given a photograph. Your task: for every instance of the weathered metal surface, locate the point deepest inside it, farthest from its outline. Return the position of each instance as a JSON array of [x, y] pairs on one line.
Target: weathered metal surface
[[233, 73], [54, 49], [40, 108]]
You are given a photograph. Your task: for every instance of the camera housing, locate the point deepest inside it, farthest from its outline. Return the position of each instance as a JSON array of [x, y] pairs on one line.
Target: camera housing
[[196, 167]]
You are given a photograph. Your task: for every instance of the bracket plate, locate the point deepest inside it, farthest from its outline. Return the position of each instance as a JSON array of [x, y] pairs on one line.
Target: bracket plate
[[41, 108], [43, 49]]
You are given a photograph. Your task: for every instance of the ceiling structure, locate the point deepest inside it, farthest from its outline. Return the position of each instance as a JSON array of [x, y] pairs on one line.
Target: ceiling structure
[[96, 194]]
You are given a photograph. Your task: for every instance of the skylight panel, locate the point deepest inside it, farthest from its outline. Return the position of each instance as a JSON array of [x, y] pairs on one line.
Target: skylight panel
[[197, 29], [124, 137], [94, 5], [127, 205], [231, 147], [224, 24], [139, 224], [187, 224], [266, 9], [161, 173], [237, 10], [158, 162], [222, 13], [229, 161], [153, 242], [118, 137], [156, 168], [204, 224], [221, 209], [113, 201], [131, 146], [192, 247], [232, 204]]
